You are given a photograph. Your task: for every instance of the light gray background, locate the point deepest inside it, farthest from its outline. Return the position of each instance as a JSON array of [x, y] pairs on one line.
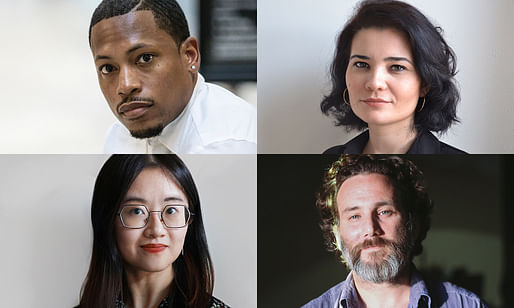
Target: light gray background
[[51, 101], [47, 235], [296, 46]]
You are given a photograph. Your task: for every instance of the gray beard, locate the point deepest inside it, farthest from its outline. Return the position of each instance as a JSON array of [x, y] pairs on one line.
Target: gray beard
[[379, 271]]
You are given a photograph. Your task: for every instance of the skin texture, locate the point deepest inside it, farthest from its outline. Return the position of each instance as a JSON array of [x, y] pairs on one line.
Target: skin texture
[[382, 67], [149, 275], [145, 77], [366, 212]]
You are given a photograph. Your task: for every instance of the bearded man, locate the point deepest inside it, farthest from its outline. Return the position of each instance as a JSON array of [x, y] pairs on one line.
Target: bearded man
[[375, 213]]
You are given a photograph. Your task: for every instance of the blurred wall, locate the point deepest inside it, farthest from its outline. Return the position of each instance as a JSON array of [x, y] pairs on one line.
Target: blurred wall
[[296, 47], [47, 235]]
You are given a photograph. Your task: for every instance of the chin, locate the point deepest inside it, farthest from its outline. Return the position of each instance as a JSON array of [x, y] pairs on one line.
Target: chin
[[147, 132], [155, 267]]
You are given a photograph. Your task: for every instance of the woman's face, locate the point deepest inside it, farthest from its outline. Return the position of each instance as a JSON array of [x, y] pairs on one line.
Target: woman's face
[[382, 81], [153, 248]]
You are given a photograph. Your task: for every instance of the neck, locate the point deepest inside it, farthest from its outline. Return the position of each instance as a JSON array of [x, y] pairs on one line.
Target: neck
[[390, 139], [147, 289], [385, 295]]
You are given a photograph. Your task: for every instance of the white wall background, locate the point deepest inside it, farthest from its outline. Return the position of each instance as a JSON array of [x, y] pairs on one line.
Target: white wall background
[[47, 235], [296, 47], [51, 101]]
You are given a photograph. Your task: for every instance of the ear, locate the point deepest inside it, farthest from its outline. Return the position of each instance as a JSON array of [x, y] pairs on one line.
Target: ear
[[190, 54], [424, 91]]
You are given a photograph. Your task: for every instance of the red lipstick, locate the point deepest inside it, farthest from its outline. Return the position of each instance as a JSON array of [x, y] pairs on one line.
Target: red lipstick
[[154, 248]]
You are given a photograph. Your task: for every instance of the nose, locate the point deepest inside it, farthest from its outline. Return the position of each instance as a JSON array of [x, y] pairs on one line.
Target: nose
[[372, 227], [376, 79], [155, 226], [128, 82]]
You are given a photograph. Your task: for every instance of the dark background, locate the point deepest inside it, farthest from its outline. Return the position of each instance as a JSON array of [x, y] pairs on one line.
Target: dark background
[[471, 224], [228, 40]]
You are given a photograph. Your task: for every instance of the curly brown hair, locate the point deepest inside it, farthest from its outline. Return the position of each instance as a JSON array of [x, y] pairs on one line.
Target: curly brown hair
[[409, 195]]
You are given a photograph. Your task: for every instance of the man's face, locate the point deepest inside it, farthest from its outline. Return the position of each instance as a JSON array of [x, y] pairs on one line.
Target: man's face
[[146, 79], [375, 243]]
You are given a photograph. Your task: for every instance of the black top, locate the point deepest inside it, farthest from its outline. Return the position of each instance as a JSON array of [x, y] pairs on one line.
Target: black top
[[214, 303], [425, 143]]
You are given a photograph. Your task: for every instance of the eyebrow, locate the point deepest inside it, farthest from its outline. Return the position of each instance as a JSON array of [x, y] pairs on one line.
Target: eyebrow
[[131, 50], [141, 200], [386, 59], [380, 203]]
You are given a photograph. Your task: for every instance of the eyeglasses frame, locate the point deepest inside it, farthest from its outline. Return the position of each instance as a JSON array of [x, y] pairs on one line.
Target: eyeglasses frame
[[189, 217]]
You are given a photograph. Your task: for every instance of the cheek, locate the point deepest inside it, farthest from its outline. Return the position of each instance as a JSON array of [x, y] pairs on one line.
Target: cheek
[[177, 238], [408, 89], [126, 241]]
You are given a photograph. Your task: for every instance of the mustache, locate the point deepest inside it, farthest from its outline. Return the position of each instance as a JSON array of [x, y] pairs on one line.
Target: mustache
[[129, 99], [376, 241]]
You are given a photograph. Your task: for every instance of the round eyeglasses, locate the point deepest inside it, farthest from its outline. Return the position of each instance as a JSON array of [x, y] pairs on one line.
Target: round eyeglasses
[[137, 216]]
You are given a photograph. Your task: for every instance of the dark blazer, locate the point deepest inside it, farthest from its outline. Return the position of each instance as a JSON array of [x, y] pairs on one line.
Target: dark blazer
[[425, 143]]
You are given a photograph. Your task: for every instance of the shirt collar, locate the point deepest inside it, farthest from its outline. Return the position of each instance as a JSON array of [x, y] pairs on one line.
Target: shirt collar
[[172, 136], [418, 292]]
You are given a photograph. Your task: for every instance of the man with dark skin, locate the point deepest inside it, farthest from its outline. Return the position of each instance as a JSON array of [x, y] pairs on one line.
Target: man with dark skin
[[147, 66]]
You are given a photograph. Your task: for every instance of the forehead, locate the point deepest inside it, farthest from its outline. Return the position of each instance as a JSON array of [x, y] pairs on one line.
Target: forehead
[[364, 191], [381, 43], [153, 182], [124, 31]]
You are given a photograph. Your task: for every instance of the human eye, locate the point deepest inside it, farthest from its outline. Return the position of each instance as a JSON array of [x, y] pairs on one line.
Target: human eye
[[360, 64], [385, 212], [170, 210], [145, 58], [354, 217], [106, 69], [397, 68], [135, 211]]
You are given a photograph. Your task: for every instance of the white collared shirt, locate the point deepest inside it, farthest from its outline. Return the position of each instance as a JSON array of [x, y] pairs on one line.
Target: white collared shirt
[[214, 121]]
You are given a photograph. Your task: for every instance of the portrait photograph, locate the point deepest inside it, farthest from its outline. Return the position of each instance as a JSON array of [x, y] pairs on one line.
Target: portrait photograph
[[454, 89], [66, 218], [468, 242]]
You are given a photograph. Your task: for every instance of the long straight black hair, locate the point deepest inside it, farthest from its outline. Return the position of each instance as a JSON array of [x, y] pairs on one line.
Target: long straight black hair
[[193, 273]]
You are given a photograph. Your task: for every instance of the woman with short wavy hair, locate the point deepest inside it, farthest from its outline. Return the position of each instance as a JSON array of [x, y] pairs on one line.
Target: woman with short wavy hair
[[393, 73]]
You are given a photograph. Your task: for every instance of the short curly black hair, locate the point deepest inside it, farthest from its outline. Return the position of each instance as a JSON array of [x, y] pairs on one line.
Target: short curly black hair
[[167, 13], [409, 195], [434, 60]]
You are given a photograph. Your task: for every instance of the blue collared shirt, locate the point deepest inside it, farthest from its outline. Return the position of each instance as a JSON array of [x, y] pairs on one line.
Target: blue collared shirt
[[441, 295]]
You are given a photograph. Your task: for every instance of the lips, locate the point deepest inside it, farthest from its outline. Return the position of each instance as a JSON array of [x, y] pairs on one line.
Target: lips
[[134, 109], [375, 101], [154, 248]]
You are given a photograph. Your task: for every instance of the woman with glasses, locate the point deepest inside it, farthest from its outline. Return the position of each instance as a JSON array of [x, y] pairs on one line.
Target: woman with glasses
[[149, 244]]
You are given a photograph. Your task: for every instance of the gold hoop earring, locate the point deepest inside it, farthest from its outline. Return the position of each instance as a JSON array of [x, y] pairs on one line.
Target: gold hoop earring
[[422, 105], [344, 97]]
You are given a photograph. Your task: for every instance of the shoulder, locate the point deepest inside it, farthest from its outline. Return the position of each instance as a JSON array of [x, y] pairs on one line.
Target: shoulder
[[327, 299], [354, 146], [446, 294], [217, 303], [448, 149], [219, 96], [220, 117], [427, 143]]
